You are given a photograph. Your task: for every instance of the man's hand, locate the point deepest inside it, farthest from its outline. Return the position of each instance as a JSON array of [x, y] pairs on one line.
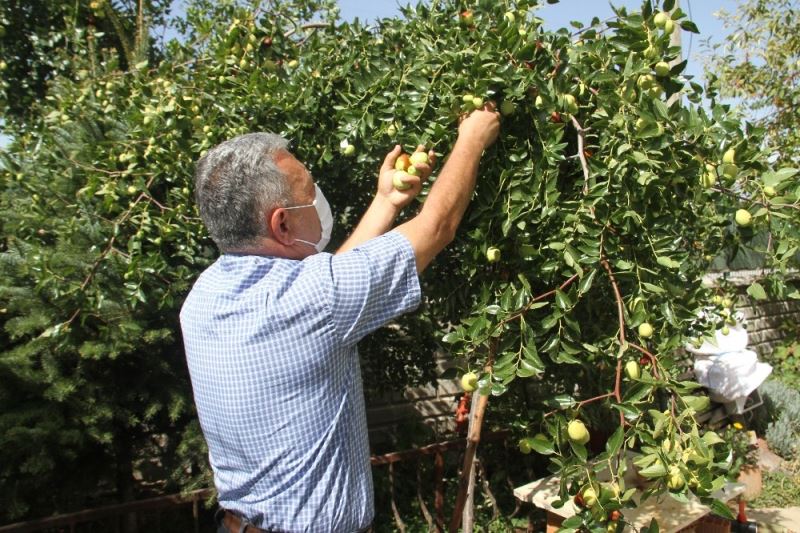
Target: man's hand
[[482, 125], [386, 189]]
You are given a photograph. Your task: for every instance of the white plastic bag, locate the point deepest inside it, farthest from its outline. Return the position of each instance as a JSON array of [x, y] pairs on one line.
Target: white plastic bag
[[729, 370]]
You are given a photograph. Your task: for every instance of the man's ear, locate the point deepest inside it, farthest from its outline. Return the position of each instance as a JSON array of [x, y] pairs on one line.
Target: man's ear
[[279, 226]]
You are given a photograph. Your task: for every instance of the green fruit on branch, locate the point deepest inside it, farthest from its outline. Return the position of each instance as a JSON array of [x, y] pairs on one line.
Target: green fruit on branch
[[662, 68], [609, 491], [729, 156], [349, 150], [507, 108], [729, 170], [398, 180], [675, 479], [645, 81], [467, 98], [538, 102], [656, 90], [727, 302], [661, 18], [709, 178], [510, 17], [743, 218], [412, 171], [645, 330], [493, 254], [467, 18], [633, 370], [469, 381], [477, 102], [391, 130], [524, 446], [669, 445], [669, 27], [577, 432], [725, 330], [651, 53], [717, 299], [628, 93], [770, 191], [570, 104]]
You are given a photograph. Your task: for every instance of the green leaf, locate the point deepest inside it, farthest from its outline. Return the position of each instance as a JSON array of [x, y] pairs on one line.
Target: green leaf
[[688, 25], [541, 444], [667, 262], [720, 509], [579, 450], [653, 471], [756, 290], [613, 444], [562, 300], [586, 282]]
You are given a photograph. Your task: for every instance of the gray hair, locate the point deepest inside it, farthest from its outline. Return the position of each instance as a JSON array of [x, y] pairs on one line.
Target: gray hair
[[236, 184]]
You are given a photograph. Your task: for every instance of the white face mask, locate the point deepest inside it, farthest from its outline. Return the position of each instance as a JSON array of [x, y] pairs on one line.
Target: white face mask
[[323, 209]]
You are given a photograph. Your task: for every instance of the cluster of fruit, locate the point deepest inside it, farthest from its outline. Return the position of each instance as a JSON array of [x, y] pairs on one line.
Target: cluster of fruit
[[406, 166]]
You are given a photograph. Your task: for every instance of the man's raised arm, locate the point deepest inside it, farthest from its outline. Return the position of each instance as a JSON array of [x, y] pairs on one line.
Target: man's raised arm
[[435, 226]]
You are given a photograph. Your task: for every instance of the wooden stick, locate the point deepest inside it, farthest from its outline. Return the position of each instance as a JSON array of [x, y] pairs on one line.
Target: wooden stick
[[473, 438]]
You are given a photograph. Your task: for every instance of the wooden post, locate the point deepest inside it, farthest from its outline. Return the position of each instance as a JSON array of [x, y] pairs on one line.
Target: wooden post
[[473, 438], [468, 515]]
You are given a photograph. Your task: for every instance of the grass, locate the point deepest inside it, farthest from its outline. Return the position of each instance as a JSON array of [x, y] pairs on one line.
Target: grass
[[781, 489]]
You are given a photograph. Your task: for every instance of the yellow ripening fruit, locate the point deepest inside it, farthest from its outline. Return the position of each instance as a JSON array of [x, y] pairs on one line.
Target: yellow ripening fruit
[[469, 381], [493, 254], [743, 218], [661, 18], [418, 158], [398, 181], [729, 156], [645, 330], [577, 432], [675, 480], [589, 496], [633, 370]]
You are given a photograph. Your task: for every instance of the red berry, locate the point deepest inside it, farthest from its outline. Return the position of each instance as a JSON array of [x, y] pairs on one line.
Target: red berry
[[578, 499]]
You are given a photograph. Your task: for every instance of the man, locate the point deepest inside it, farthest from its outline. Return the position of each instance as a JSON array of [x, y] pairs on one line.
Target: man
[[270, 329]]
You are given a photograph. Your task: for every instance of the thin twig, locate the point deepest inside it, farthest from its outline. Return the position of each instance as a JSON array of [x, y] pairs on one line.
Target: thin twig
[[621, 318], [581, 154]]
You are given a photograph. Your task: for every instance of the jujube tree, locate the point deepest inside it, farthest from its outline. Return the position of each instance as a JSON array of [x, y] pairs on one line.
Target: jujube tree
[[567, 295]]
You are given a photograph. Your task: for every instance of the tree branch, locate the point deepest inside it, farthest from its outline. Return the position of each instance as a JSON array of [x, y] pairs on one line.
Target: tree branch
[[581, 154]]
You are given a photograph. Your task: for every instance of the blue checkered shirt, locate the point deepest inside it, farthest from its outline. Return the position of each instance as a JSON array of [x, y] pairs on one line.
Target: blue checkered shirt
[[271, 349]]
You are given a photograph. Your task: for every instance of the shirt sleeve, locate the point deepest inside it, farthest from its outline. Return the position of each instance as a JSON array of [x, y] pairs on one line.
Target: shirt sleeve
[[372, 284]]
